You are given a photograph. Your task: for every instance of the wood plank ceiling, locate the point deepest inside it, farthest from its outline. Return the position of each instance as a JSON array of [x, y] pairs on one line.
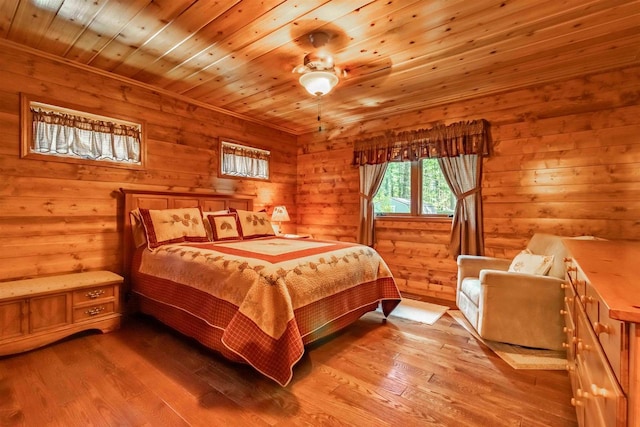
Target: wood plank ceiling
[[398, 55]]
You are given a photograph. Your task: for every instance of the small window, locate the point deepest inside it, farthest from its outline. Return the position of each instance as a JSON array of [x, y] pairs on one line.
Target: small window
[[59, 133], [240, 161], [414, 189]]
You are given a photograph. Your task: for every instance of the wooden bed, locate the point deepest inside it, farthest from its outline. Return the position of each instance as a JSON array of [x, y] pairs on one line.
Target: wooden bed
[[255, 301]]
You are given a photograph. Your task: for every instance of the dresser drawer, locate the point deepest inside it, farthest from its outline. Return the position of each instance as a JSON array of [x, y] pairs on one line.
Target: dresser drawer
[[587, 410], [596, 376], [589, 300], [569, 297], [569, 330], [93, 310], [93, 294], [612, 335]]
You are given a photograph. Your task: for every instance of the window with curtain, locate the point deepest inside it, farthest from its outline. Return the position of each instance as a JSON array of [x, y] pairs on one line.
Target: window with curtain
[[240, 161], [63, 134], [458, 150], [416, 188]]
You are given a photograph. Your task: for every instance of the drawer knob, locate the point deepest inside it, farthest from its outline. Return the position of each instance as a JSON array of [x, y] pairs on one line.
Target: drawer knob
[[567, 330], [600, 328], [568, 300], [599, 391], [563, 286], [563, 312], [583, 347], [570, 367], [576, 402], [94, 311], [95, 294], [586, 299], [565, 345], [581, 393]]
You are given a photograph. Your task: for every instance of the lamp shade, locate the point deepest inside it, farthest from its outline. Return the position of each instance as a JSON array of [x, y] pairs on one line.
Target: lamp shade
[[280, 214], [318, 82]]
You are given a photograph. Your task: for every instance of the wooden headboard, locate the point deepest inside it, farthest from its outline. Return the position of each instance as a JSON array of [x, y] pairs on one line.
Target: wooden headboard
[[170, 200]]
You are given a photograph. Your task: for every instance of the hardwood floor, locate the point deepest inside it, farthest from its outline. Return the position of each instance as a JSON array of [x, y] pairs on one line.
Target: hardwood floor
[[398, 373]]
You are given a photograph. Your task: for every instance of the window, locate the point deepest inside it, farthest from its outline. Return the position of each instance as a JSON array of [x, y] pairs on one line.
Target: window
[[58, 133], [414, 188], [240, 161]]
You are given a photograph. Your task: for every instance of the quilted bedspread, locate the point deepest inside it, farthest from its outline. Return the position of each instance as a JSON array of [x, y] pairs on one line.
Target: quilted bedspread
[[266, 281]]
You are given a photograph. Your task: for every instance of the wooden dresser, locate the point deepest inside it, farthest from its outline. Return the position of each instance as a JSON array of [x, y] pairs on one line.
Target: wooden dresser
[[602, 316], [36, 312]]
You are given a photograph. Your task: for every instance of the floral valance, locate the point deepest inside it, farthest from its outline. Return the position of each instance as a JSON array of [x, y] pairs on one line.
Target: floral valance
[[85, 123], [439, 141], [248, 152]]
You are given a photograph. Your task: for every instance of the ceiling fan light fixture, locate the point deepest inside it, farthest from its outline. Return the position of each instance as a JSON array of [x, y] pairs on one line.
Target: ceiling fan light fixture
[[318, 83]]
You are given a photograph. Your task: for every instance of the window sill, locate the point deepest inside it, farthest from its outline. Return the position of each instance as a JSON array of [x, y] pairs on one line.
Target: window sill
[[424, 218]]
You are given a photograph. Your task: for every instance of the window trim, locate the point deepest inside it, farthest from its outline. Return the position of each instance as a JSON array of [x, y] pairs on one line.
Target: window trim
[[233, 143], [416, 202], [26, 132]]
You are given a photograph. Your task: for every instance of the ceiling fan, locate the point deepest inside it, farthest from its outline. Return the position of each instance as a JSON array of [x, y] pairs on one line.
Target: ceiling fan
[[318, 72]]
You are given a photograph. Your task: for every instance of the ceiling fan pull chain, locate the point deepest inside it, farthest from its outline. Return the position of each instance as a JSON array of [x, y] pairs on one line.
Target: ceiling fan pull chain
[[319, 119]]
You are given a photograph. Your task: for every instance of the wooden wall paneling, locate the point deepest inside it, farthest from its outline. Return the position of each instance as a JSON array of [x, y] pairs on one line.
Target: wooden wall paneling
[[564, 160], [63, 217]]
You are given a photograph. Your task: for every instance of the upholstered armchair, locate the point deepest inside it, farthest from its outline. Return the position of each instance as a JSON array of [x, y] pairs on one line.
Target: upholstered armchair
[[516, 307]]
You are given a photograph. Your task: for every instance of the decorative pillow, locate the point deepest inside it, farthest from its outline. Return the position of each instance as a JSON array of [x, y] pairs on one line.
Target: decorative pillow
[[207, 224], [528, 263], [224, 226], [173, 226], [253, 224]]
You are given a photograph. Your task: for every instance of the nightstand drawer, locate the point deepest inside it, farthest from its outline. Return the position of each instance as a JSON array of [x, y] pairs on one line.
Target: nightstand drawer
[[93, 294], [93, 310]]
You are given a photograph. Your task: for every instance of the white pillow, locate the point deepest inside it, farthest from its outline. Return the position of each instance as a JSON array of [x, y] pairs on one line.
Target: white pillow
[[528, 263]]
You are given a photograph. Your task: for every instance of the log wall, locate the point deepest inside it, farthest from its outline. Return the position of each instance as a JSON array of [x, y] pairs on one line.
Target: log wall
[[565, 159], [60, 217]]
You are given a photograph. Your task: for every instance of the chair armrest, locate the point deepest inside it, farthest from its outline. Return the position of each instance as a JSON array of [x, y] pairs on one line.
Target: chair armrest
[[494, 277], [471, 265], [522, 309]]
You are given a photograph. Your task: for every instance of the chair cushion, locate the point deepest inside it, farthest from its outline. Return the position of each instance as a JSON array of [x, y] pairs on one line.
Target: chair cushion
[[471, 288]]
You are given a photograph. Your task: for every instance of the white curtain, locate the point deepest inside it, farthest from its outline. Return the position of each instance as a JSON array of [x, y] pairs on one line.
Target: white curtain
[[74, 136], [245, 161]]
